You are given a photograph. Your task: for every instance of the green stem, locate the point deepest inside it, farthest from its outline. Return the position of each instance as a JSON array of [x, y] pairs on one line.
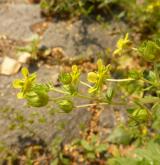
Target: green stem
[[156, 72], [85, 84], [55, 99], [135, 49], [120, 80], [59, 91], [147, 81], [83, 96], [150, 82], [120, 103], [88, 105]]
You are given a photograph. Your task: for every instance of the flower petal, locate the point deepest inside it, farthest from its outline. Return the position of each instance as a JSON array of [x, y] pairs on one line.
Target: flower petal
[[92, 77], [20, 95], [25, 72], [18, 83]]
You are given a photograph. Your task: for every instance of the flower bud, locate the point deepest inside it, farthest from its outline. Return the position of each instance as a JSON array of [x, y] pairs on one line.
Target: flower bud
[[92, 77], [65, 78], [37, 99], [150, 51], [66, 105]]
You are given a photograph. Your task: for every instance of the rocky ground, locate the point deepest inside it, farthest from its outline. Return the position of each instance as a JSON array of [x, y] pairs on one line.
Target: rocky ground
[[19, 21]]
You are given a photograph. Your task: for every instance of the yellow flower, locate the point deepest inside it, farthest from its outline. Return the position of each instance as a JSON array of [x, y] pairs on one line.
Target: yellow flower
[[98, 78], [75, 74], [151, 7], [24, 84], [92, 77], [122, 43]]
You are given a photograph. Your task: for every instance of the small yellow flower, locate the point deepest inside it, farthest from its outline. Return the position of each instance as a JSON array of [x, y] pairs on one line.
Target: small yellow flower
[[92, 77], [122, 43], [151, 7], [144, 131], [98, 78], [75, 74], [24, 84]]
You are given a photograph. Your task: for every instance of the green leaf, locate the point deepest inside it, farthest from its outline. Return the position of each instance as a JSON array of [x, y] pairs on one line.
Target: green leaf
[[150, 51], [71, 89], [134, 74], [93, 89], [101, 148], [65, 78], [152, 76], [44, 4], [151, 153], [149, 99], [55, 162], [140, 115], [126, 161], [87, 146], [110, 93], [64, 161], [130, 110], [91, 155], [32, 77], [120, 136], [148, 155]]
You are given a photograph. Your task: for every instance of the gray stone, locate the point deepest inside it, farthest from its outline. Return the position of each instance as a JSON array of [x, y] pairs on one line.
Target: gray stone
[[16, 20], [13, 1], [79, 37], [107, 118]]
